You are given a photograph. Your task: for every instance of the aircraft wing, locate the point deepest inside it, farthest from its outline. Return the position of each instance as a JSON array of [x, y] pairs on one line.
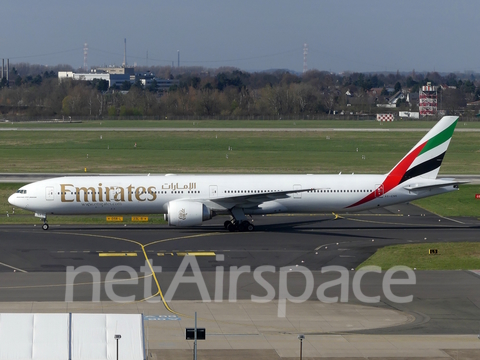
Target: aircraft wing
[[253, 200]]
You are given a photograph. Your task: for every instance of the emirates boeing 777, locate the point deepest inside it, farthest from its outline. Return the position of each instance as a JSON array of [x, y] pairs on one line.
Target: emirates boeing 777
[[189, 200]]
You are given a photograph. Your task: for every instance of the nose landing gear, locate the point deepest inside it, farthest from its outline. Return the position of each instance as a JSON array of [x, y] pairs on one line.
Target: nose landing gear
[[43, 216], [45, 224]]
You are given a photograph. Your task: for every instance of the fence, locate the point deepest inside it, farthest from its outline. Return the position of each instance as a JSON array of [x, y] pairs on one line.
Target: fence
[[226, 118]]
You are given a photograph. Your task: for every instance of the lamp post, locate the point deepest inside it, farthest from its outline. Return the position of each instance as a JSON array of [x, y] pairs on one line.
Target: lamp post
[[195, 339], [301, 337], [117, 337]]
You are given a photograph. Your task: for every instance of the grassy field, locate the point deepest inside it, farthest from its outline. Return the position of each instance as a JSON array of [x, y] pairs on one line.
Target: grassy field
[[457, 203], [451, 256], [205, 152], [251, 152], [242, 124]]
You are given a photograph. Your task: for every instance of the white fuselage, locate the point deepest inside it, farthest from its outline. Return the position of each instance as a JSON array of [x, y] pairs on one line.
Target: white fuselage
[[152, 194]]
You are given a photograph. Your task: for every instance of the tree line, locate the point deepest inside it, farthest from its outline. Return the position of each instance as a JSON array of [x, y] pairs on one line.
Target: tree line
[[36, 91]]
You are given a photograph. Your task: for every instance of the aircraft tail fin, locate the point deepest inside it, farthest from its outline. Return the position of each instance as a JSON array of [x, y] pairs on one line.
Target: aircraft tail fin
[[423, 160], [427, 155]]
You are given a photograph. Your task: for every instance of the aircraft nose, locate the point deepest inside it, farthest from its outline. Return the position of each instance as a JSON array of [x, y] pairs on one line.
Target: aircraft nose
[[12, 200]]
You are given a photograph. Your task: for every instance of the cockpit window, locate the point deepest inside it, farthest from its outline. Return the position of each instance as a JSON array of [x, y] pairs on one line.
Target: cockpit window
[[21, 191]]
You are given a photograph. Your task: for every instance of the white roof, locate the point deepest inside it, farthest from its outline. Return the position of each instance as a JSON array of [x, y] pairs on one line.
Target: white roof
[[85, 337]]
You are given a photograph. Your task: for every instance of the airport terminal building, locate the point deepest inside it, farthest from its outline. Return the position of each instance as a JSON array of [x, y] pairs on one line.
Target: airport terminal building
[[116, 76]]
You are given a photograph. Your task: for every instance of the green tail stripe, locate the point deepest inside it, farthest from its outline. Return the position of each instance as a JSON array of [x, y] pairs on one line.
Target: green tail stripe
[[439, 138]]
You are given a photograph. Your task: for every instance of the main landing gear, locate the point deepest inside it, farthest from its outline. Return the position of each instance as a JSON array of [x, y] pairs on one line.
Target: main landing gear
[[239, 221], [233, 225]]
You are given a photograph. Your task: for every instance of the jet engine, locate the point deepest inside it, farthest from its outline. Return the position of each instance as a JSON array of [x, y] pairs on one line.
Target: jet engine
[[187, 213]]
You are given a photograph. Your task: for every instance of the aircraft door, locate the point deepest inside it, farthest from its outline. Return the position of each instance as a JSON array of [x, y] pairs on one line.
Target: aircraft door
[[297, 195], [213, 191], [49, 193], [379, 190]]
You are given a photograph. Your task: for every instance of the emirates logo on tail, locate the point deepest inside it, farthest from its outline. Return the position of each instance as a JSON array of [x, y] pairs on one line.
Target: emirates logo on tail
[[423, 160], [182, 215]]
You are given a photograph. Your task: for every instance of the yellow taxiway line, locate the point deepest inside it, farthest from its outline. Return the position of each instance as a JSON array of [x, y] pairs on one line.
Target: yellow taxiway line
[[117, 254]]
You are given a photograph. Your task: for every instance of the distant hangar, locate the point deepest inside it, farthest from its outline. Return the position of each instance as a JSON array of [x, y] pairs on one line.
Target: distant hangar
[[116, 76]]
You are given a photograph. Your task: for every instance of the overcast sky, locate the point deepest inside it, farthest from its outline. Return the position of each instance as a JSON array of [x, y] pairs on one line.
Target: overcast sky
[[342, 35]]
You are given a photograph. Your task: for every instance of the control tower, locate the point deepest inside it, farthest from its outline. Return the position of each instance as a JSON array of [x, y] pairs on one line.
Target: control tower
[[427, 105]]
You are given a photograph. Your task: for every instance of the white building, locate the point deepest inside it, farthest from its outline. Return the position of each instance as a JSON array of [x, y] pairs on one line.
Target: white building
[[117, 76], [114, 78], [71, 336]]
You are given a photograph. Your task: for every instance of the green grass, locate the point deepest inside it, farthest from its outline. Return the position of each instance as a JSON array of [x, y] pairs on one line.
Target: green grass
[[205, 152], [456, 203], [253, 152], [451, 256], [243, 124]]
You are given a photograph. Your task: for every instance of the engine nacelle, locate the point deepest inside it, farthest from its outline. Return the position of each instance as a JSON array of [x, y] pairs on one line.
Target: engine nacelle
[[187, 213]]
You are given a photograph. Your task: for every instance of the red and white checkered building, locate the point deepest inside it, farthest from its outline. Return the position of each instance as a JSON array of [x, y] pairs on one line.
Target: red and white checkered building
[[427, 105]]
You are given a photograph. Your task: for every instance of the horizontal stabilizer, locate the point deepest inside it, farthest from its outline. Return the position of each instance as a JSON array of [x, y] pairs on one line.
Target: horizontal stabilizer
[[436, 184]]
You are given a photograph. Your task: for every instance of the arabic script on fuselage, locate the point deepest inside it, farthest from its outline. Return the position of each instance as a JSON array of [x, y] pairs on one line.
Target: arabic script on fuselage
[[101, 193]]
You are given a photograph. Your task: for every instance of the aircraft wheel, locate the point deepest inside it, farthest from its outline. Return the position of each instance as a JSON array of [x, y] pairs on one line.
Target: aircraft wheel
[[231, 227], [246, 226], [226, 223], [45, 226], [242, 227]]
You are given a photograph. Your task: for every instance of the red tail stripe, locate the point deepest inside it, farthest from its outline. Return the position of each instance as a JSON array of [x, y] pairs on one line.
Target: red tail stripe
[[394, 177]]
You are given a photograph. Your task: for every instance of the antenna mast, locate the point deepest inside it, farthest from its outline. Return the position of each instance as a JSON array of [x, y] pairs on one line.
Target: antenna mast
[[85, 56], [305, 53], [125, 53]]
